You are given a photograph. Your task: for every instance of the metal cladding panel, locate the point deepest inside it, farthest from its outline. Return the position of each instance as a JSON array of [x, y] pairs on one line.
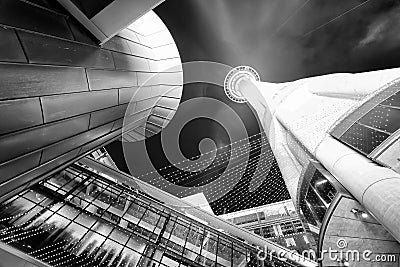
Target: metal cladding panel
[[142, 39], [141, 50], [10, 48], [175, 92], [81, 34], [153, 128], [25, 178], [156, 120], [74, 142], [22, 14], [18, 166], [166, 65], [129, 35], [101, 141], [144, 92], [19, 114], [148, 79], [171, 103], [162, 112], [164, 78], [105, 79], [146, 104], [23, 80], [47, 50], [166, 51], [168, 90], [118, 124], [133, 63], [125, 94], [36, 138], [64, 106], [160, 38], [117, 44], [61, 93], [107, 115], [49, 5]]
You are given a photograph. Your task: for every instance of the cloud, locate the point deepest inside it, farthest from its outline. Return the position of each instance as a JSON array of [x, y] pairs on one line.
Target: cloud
[[383, 30], [267, 35], [237, 32], [375, 33]]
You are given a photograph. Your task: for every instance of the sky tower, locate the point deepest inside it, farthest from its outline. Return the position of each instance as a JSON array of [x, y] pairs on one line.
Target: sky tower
[[336, 139]]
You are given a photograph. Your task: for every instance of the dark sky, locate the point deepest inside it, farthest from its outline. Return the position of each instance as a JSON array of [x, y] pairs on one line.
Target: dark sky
[[283, 40], [271, 35]]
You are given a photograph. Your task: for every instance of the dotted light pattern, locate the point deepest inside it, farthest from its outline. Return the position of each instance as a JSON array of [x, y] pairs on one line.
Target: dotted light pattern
[[222, 158], [47, 256], [241, 163], [237, 156], [209, 153], [15, 228], [55, 254], [372, 129]]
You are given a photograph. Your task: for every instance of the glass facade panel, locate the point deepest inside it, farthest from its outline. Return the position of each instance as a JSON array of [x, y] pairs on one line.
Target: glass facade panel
[[307, 213], [68, 212], [119, 236], [79, 202], [209, 251], [160, 224], [320, 195], [169, 227], [239, 256], [246, 219], [118, 227], [149, 220], [363, 138], [137, 244], [58, 181], [102, 228], [34, 197], [393, 101], [224, 256], [374, 127], [317, 207], [383, 118], [323, 188], [85, 219], [129, 258], [136, 210], [180, 231]]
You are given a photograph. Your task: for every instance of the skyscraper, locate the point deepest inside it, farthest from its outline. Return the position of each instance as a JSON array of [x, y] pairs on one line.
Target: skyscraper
[[335, 140]]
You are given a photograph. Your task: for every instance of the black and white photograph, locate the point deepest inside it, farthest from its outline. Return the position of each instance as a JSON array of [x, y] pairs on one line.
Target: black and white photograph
[[199, 133]]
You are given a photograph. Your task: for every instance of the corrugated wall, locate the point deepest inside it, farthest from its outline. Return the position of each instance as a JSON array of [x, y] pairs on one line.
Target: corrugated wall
[[61, 95]]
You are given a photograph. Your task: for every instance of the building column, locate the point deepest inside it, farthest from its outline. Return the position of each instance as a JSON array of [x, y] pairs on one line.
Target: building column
[[377, 188]]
